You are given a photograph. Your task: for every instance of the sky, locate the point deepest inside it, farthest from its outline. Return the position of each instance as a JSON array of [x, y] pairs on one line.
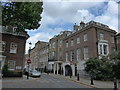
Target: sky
[[61, 15]]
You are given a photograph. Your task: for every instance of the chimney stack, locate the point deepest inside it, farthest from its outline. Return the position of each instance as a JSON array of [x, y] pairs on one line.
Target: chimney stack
[[75, 27], [82, 24]]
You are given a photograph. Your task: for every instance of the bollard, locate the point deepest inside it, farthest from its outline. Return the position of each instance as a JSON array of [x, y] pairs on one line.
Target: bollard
[[115, 84], [92, 80], [77, 77], [70, 75]]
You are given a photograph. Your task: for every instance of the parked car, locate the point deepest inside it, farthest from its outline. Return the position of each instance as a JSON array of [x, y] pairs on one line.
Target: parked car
[[25, 71], [35, 73]]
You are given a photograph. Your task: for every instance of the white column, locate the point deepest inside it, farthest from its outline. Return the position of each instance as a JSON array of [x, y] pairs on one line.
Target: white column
[[57, 67], [63, 69], [54, 68], [73, 70]]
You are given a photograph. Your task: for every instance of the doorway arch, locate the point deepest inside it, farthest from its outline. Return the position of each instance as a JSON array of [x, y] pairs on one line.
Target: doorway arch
[[68, 70]]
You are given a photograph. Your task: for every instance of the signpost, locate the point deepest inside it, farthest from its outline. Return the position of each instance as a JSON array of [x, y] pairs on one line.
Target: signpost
[[28, 61], [71, 62]]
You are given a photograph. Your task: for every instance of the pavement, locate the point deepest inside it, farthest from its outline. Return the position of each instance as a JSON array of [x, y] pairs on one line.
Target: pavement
[[87, 81]]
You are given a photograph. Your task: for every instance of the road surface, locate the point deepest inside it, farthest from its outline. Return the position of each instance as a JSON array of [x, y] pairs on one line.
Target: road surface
[[45, 81]]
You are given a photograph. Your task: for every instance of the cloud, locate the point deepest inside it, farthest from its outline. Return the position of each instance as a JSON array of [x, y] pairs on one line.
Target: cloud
[[42, 36], [110, 16], [57, 15]]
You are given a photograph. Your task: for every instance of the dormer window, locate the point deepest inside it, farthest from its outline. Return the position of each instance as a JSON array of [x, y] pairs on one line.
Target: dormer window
[[14, 29]]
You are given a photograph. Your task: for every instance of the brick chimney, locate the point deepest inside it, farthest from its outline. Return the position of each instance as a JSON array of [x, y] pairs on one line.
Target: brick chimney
[[82, 24], [75, 27]]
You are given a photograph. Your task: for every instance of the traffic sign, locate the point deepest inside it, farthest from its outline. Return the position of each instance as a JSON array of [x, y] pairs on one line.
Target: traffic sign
[[71, 62], [28, 61]]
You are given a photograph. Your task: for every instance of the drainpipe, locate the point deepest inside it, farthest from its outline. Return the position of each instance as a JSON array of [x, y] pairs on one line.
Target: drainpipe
[[115, 40], [96, 40]]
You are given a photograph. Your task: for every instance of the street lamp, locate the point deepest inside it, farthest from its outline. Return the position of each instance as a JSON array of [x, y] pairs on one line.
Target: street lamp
[[29, 61]]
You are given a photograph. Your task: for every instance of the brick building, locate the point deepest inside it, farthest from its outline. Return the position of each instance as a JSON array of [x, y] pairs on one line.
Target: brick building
[[88, 40], [12, 48], [35, 55], [56, 52], [43, 59], [118, 41]]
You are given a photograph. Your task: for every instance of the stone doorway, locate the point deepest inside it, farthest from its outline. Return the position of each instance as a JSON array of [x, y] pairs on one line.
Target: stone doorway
[[68, 70]]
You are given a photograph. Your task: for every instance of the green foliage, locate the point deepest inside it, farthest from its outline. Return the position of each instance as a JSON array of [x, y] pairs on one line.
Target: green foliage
[[99, 69], [5, 70], [7, 73], [105, 68], [115, 61], [23, 15]]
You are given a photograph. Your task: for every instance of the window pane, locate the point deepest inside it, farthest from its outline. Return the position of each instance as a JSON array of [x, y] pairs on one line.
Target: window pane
[[78, 54], [11, 64], [105, 49], [85, 37], [13, 48], [101, 36], [78, 40], [66, 44], [66, 56], [86, 56], [112, 39], [101, 49], [72, 43], [2, 46], [53, 45]]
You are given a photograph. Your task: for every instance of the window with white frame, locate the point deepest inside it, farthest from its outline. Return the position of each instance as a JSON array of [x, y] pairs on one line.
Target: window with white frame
[[101, 36], [53, 45], [72, 42], [53, 53], [50, 45], [14, 29], [85, 37], [72, 55], [13, 48], [2, 46], [86, 55], [103, 49], [60, 42], [78, 54], [11, 64], [66, 44], [78, 40], [112, 38], [66, 55]]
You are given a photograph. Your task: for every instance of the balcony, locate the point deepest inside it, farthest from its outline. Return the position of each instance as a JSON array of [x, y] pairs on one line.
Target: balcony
[[12, 31]]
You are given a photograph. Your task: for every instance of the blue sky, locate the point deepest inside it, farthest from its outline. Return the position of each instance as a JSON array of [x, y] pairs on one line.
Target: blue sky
[[61, 15]]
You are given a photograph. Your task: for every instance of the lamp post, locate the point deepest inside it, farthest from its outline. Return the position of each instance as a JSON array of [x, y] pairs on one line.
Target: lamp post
[[29, 61]]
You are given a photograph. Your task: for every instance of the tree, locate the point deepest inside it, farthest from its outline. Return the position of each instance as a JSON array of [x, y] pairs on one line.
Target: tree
[[115, 61], [99, 68], [5, 70], [23, 15]]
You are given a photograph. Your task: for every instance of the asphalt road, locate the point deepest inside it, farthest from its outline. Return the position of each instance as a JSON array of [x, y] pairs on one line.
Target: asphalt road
[[46, 81]]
